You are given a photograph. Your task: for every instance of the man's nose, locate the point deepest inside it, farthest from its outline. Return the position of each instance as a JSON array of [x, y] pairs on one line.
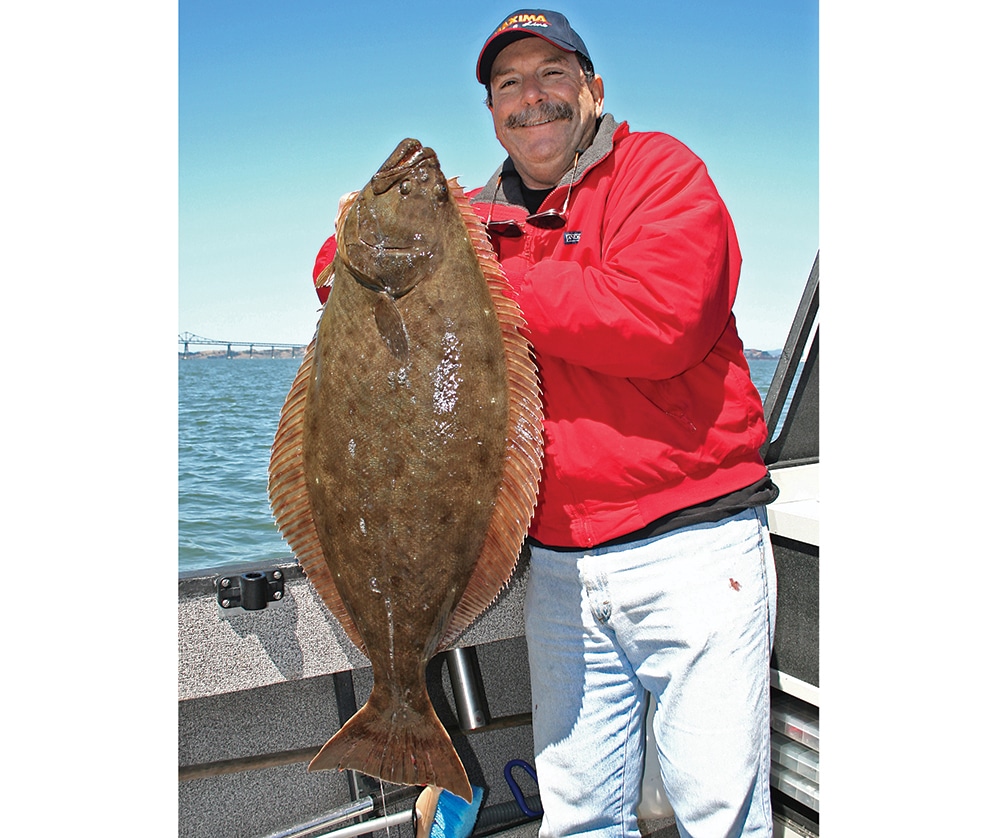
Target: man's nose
[[532, 91]]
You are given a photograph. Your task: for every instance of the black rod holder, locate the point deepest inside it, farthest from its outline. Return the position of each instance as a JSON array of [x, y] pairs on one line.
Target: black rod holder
[[251, 591]]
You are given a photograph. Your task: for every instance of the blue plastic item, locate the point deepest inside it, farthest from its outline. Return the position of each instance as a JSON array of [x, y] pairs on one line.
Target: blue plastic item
[[515, 789]]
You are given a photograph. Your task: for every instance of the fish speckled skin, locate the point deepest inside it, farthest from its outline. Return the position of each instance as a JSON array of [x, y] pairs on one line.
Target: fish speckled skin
[[406, 463]]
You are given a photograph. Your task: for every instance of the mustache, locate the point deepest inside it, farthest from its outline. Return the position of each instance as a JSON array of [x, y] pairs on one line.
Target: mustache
[[544, 112]]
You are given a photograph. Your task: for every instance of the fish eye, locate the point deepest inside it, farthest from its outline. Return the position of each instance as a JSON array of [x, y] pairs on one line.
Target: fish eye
[[440, 191], [405, 187]]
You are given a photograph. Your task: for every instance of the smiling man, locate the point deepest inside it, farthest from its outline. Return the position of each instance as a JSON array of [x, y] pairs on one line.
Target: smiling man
[[651, 566], [545, 108]]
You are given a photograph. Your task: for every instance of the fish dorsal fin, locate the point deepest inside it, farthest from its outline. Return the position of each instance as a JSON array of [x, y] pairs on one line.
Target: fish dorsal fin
[[325, 277], [523, 462], [286, 487]]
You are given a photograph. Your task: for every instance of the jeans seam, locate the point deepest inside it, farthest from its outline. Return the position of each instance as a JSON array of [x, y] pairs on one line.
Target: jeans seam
[[626, 767], [762, 533]]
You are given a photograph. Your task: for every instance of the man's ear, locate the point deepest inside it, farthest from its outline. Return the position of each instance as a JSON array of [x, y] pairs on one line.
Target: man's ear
[[597, 91]]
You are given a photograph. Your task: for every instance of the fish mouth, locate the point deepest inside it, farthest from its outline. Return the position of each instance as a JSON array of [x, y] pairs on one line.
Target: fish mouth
[[407, 155]]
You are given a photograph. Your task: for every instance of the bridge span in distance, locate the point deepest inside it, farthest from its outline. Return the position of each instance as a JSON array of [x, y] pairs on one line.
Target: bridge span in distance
[[263, 348]]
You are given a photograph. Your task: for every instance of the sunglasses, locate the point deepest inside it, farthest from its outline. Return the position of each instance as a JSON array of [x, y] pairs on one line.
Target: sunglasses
[[551, 219]]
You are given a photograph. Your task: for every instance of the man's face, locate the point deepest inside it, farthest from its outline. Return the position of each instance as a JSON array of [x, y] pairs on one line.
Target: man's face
[[543, 108]]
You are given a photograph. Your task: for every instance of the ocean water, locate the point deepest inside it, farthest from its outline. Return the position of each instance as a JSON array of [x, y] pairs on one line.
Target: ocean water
[[227, 414]]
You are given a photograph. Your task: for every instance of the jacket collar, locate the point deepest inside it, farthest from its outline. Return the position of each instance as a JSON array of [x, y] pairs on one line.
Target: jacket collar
[[509, 193]]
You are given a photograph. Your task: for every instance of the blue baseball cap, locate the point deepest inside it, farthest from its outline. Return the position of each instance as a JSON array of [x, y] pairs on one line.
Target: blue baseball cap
[[550, 26]]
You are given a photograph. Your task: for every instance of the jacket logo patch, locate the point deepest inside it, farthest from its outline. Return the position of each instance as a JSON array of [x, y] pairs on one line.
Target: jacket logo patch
[[571, 237]]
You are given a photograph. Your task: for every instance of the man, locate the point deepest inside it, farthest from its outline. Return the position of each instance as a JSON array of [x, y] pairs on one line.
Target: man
[[650, 564], [651, 567]]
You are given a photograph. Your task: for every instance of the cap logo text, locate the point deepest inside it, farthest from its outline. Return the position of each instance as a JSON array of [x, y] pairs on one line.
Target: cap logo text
[[522, 20]]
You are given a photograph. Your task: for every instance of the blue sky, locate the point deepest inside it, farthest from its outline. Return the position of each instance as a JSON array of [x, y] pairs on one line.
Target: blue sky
[[283, 107]]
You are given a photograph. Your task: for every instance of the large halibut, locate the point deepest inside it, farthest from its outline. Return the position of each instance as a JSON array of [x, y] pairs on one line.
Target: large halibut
[[405, 467]]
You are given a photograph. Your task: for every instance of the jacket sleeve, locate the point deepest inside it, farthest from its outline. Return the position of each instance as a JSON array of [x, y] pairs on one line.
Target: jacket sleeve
[[324, 258], [659, 293]]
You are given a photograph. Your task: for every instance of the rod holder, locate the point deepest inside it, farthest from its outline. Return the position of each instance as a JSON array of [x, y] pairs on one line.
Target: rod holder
[[251, 591]]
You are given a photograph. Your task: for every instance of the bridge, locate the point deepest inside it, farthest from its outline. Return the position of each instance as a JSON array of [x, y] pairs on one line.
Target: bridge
[[261, 346]]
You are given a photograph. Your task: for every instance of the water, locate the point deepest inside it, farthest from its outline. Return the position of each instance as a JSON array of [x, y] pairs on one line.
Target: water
[[227, 415]]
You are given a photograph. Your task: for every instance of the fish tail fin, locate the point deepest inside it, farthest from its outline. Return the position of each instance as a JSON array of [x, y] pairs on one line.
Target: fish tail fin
[[399, 745]]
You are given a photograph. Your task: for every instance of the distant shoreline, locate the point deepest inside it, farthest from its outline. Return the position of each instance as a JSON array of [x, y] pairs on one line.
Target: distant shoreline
[[258, 354], [762, 354]]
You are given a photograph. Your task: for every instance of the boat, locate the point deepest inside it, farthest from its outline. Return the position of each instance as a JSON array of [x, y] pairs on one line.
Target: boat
[[266, 675]]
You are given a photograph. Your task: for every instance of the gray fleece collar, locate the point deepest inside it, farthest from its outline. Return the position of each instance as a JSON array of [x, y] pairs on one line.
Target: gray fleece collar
[[510, 194]]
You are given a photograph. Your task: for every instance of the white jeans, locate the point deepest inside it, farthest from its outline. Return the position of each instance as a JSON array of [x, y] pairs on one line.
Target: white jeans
[[687, 616]]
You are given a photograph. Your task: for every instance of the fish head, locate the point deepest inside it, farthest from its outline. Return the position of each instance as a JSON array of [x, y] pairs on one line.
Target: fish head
[[389, 234]]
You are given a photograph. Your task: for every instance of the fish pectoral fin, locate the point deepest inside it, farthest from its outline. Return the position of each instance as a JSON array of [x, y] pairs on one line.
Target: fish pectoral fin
[[390, 326]]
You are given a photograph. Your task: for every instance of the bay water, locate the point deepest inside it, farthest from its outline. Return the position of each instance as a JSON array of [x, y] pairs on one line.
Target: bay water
[[228, 412]]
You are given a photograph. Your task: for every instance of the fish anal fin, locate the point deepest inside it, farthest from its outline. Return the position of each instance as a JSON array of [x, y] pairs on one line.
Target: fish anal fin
[[286, 487]]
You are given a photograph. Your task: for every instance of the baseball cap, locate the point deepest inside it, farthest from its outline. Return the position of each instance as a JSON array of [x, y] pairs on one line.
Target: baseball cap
[[551, 26]]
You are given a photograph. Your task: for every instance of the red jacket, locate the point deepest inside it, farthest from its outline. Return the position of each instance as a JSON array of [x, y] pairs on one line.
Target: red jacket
[[649, 407]]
